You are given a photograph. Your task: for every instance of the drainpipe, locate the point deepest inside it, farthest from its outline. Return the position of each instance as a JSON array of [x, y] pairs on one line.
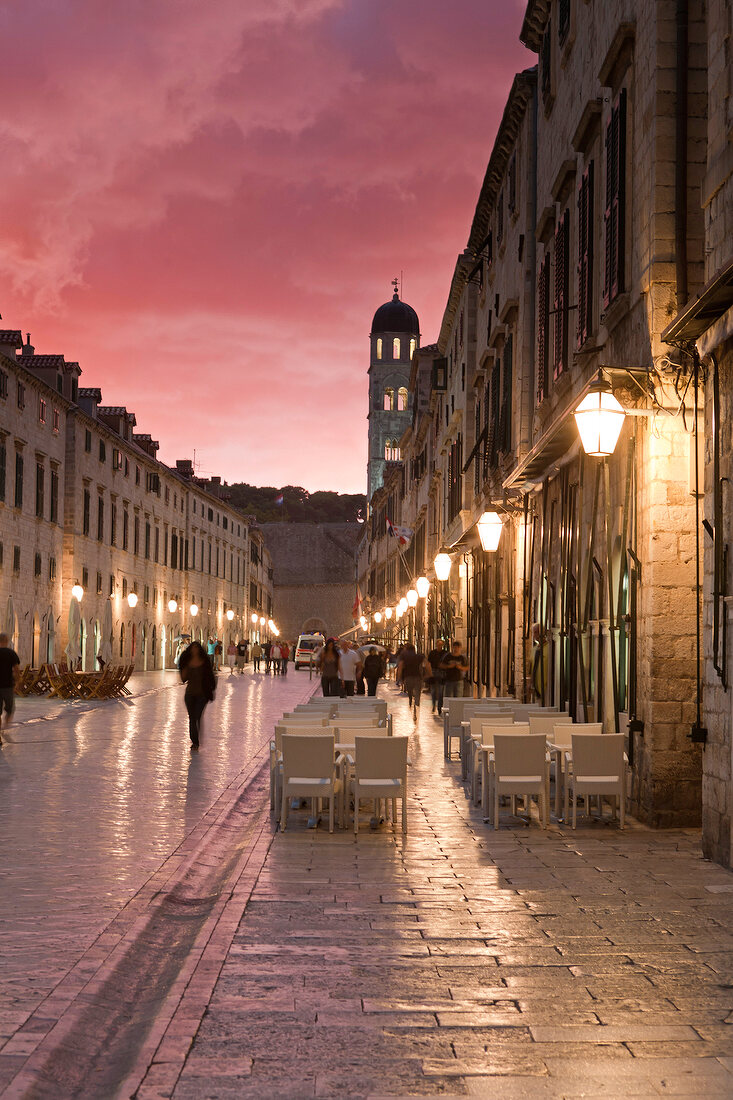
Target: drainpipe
[[680, 175]]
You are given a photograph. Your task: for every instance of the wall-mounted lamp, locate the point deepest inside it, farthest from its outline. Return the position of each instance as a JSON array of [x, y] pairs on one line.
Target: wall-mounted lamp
[[600, 418], [442, 565], [489, 530], [422, 584]]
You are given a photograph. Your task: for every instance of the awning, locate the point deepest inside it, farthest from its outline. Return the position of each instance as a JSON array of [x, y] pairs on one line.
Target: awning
[[715, 299], [554, 444]]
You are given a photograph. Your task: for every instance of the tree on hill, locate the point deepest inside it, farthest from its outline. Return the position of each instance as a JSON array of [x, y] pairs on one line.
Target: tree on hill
[[298, 505]]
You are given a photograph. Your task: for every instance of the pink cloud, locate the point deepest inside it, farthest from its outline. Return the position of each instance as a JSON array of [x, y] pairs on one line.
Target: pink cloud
[[205, 203]]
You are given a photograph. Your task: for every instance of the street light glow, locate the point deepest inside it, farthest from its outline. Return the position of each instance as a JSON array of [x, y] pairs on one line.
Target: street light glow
[[230, 614], [489, 530], [172, 606], [422, 584], [132, 599], [194, 609], [442, 563], [77, 592], [388, 613], [377, 616], [412, 597], [600, 418]]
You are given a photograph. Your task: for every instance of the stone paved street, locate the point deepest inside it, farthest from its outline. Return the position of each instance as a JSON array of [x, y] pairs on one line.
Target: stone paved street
[[462, 963], [157, 929], [94, 799]]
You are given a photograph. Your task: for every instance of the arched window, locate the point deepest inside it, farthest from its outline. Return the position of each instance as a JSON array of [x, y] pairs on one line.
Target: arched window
[[391, 451], [401, 399], [396, 348], [379, 347], [413, 345], [388, 399]]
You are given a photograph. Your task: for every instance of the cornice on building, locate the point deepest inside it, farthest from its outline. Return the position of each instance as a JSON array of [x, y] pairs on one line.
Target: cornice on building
[[534, 23]]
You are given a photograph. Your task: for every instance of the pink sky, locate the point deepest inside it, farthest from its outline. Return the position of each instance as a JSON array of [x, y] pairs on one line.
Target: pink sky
[[205, 202]]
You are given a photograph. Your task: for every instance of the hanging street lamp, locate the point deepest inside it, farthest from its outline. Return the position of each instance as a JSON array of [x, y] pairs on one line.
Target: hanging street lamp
[[422, 584], [194, 609], [600, 418], [489, 530], [442, 564], [172, 606], [230, 614], [388, 613], [77, 592], [412, 598], [132, 599]]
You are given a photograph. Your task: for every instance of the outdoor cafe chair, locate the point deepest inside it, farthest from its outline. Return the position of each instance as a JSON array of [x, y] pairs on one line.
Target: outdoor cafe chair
[[520, 768], [474, 708], [309, 770], [596, 766], [380, 771], [484, 761], [276, 750], [559, 742], [475, 724], [357, 720]]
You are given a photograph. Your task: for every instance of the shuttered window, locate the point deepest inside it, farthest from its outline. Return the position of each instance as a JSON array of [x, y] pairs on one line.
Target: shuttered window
[[543, 319], [505, 418], [494, 416], [562, 247], [615, 210], [585, 256]]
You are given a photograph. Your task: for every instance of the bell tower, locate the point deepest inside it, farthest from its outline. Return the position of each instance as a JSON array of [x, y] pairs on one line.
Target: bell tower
[[394, 337]]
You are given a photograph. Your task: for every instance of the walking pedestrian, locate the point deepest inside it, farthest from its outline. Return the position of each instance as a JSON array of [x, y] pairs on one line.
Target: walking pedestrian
[[284, 657], [328, 666], [9, 676], [454, 669], [275, 657], [373, 670], [218, 650], [210, 650], [437, 675], [267, 650], [241, 656], [411, 670], [198, 676], [350, 664], [231, 656], [256, 656]]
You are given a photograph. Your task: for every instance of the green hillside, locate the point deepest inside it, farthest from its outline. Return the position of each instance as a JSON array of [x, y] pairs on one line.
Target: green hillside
[[299, 506]]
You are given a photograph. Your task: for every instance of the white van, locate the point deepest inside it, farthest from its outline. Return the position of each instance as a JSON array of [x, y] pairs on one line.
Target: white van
[[308, 645]]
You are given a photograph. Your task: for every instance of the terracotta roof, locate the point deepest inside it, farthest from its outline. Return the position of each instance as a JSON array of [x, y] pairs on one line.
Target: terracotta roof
[[45, 361], [10, 336], [90, 391]]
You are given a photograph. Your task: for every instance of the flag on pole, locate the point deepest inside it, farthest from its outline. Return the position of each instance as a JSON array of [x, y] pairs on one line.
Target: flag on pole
[[402, 534], [279, 499], [356, 609]]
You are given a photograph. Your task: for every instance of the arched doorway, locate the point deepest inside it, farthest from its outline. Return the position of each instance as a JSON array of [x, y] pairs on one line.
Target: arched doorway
[[313, 626]]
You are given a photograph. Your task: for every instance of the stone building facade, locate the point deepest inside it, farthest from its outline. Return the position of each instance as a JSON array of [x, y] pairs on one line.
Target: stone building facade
[[574, 265], [85, 500], [702, 332], [313, 576]]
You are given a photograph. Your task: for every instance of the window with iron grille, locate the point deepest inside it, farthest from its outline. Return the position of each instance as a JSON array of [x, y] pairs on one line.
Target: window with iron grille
[[614, 217], [563, 19], [16, 559], [543, 319], [18, 479], [585, 256], [562, 282], [546, 62]]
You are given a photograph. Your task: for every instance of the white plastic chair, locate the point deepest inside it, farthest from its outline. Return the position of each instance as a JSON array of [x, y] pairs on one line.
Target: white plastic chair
[[597, 766], [312, 730], [484, 748], [478, 721], [520, 768], [309, 771], [560, 742], [380, 771], [545, 723], [344, 722]]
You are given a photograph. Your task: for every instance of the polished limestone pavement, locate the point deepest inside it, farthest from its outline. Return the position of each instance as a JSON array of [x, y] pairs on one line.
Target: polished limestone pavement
[[464, 962], [96, 799]]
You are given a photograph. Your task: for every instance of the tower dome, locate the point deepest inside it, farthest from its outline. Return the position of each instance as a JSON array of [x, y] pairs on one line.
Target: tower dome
[[396, 316]]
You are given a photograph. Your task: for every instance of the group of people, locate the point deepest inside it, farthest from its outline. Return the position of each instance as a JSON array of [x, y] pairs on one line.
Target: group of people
[[346, 670], [443, 670], [275, 656]]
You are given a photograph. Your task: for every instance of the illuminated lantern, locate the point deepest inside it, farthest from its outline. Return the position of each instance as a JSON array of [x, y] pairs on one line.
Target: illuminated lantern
[[489, 530], [600, 418]]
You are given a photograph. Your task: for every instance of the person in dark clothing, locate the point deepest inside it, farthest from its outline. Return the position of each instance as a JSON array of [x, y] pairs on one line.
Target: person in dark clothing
[[373, 670], [198, 676], [9, 673], [267, 650], [328, 666], [411, 670], [454, 668], [437, 676]]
